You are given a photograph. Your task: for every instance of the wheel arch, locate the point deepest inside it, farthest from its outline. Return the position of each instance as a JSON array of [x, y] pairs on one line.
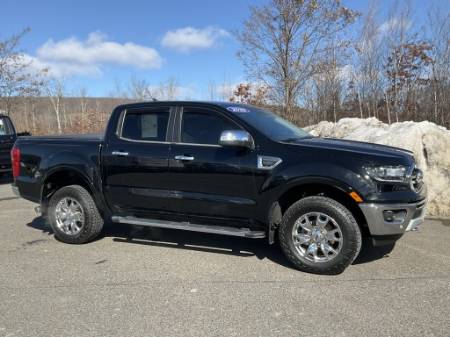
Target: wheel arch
[[65, 176], [327, 187]]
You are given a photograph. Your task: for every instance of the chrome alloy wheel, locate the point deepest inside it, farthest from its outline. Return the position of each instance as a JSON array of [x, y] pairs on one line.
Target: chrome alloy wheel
[[69, 216], [317, 237]]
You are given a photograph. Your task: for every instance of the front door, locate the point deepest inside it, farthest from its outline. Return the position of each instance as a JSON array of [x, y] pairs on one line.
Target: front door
[[135, 162], [207, 179]]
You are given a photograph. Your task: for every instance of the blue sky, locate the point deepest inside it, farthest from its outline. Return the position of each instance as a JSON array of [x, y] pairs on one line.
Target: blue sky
[[96, 44]]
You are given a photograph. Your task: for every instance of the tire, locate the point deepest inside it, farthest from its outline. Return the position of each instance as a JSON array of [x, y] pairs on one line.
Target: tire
[[89, 222], [341, 226]]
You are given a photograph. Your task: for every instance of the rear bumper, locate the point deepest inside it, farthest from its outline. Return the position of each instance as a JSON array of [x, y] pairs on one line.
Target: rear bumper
[[374, 213]]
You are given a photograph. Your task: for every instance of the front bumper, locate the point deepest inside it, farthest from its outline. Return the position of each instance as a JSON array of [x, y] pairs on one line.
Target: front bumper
[[374, 213]]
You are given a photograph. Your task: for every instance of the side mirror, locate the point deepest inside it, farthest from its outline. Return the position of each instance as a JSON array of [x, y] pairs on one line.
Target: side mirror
[[238, 138]]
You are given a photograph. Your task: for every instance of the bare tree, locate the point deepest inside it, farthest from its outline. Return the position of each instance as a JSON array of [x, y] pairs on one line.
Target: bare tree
[[368, 68], [282, 40], [250, 94], [439, 31], [168, 90], [396, 32], [16, 76], [212, 90], [55, 89], [329, 83], [140, 90], [84, 102]]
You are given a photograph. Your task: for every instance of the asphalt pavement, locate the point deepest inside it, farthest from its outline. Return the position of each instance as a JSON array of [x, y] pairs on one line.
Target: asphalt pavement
[[136, 281]]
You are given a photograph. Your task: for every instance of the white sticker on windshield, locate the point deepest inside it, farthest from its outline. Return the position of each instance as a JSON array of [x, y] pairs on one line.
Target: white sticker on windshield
[[237, 109]]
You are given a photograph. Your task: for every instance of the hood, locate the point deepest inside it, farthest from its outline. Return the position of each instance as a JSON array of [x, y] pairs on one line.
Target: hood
[[356, 147]]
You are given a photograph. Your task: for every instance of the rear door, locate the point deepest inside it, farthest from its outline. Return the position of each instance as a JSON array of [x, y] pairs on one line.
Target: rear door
[[7, 139], [208, 180], [135, 161]]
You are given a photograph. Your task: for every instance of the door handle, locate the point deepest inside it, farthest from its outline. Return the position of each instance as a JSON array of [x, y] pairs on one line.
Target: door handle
[[120, 153], [184, 158]]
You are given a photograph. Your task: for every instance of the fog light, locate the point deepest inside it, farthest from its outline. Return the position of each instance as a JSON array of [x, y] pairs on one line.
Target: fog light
[[397, 216]]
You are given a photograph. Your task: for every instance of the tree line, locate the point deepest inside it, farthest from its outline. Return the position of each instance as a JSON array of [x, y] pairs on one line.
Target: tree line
[[309, 60]]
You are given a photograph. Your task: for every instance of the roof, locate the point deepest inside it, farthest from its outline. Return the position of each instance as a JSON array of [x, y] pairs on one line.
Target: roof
[[222, 104]]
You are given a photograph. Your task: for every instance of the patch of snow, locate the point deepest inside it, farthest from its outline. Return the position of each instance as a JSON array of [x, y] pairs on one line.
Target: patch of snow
[[429, 142]]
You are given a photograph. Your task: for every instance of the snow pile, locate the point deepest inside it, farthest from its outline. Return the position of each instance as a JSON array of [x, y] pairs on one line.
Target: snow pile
[[429, 142]]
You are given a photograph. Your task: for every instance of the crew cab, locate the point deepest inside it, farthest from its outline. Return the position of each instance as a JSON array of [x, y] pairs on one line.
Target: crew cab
[[7, 138], [223, 168]]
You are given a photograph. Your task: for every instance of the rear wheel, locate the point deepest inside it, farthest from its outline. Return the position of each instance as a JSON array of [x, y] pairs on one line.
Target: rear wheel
[[73, 215], [319, 235]]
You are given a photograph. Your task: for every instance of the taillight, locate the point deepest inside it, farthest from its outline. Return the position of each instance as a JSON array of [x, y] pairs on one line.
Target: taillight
[[15, 161]]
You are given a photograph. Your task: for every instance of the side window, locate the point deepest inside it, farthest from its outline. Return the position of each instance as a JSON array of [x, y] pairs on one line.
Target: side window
[[147, 125], [5, 127], [200, 126]]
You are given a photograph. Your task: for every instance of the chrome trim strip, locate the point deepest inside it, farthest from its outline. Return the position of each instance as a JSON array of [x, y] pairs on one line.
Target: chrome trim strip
[[260, 165], [184, 158], [197, 144]]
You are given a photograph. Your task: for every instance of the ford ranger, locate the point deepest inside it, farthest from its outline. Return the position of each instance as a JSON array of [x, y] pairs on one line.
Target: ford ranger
[[228, 169]]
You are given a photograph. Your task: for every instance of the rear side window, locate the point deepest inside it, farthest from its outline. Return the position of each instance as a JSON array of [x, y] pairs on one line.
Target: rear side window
[[200, 126], [146, 125], [5, 127]]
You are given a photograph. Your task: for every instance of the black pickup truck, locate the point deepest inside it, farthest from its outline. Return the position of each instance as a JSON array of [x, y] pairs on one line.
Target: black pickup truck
[[228, 169], [7, 138]]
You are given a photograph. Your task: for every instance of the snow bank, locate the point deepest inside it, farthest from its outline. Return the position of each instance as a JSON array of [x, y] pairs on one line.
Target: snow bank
[[429, 142]]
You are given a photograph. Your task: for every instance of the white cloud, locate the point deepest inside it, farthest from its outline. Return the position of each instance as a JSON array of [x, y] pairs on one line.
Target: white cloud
[[190, 38], [76, 57], [61, 69]]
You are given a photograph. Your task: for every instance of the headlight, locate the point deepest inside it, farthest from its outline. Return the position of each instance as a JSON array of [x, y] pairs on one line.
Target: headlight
[[395, 174]]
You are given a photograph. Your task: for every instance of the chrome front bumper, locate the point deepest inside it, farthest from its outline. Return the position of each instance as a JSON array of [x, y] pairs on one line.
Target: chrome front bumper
[[374, 213]]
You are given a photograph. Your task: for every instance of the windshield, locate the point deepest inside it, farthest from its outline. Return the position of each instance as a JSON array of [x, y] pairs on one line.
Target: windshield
[[270, 124]]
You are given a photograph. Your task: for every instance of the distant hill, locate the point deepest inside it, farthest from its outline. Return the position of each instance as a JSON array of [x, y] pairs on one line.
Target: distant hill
[[37, 115]]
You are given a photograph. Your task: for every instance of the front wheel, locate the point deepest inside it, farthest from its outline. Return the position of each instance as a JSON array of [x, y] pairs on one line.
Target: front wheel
[[73, 215], [319, 235]]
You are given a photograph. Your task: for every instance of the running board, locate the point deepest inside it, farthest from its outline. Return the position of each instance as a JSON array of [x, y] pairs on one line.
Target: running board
[[187, 226]]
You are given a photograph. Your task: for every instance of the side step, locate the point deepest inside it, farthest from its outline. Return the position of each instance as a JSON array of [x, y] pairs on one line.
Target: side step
[[187, 226]]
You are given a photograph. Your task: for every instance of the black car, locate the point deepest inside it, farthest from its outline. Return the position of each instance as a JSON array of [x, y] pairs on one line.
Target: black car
[[7, 139], [228, 169]]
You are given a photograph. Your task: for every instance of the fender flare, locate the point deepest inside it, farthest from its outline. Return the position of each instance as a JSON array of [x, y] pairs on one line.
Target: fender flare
[[98, 198], [274, 215]]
